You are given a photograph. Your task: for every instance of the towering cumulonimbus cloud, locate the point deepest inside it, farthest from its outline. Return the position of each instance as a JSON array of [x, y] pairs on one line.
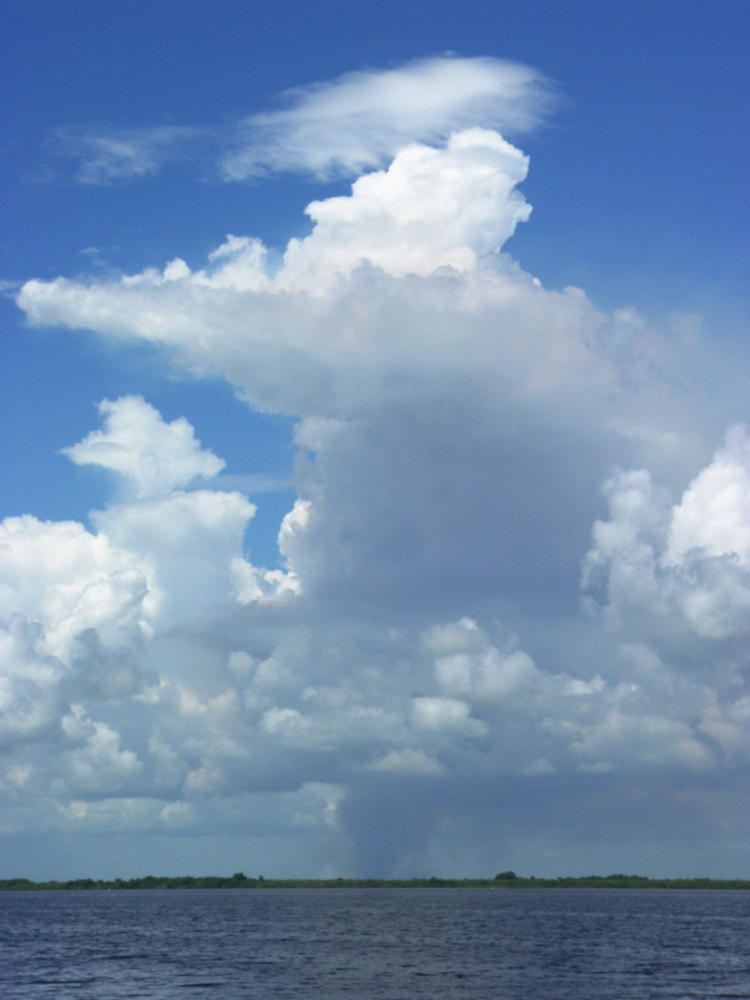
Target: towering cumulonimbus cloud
[[421, 645], [429, 374]]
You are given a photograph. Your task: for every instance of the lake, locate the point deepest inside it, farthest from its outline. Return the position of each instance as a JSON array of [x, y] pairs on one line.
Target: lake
[[375, 944]]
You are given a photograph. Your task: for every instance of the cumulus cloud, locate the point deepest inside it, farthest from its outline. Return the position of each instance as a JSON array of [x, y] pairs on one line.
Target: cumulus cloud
[[671, 569], [431, 208], [714, 512], [153, 457], [84, 610], [71, 579], [361, 119]]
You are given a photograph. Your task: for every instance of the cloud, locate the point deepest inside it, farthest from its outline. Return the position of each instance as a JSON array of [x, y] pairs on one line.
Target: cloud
[[431, 208], [360, 120], [714, 512], [106, 632], [151, 456], [72, 580], [337, 128], [677, 572], [135, 690], [429, 374], [108, 156], [407, 761], [421, 653], [445, 714]]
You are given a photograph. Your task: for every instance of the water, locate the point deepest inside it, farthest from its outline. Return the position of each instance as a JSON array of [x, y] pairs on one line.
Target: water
[[360, 944]]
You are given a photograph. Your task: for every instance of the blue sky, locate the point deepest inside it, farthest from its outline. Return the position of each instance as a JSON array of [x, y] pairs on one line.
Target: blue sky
[[443, 435]]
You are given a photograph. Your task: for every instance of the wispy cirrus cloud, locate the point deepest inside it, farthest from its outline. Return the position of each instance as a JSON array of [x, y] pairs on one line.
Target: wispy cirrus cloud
[[361, 119], [355, 122], [107, 155]]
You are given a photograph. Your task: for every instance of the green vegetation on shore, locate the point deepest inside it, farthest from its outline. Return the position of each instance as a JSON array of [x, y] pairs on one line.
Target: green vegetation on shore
[[505, 880]]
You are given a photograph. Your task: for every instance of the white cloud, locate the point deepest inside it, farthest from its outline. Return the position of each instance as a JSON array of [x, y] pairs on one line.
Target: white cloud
[[431, 208], [714, 512], [29, 698], [680, 570], [188, 541], [95, 761], [337, 128], [361, 119], [423, 366], [152, 456], [101, 630], [488, 677], [407, 761], [653, 741], [455, 420], [438, 714], [60, 574], [106, 156]]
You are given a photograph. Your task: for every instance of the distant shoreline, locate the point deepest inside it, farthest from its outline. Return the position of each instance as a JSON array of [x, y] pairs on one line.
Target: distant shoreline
[[241, 881]]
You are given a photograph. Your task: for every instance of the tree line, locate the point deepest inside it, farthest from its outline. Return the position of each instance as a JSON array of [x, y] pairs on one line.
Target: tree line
[[503, 880]]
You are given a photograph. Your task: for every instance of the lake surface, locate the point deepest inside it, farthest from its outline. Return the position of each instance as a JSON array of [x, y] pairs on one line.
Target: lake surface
[[370, 944]]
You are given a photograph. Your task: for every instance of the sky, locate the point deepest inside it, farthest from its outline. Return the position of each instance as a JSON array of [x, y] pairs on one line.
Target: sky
[[376, 493]]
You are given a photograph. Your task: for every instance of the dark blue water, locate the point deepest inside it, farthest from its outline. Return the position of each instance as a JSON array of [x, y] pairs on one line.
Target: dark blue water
[[441, 944]]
